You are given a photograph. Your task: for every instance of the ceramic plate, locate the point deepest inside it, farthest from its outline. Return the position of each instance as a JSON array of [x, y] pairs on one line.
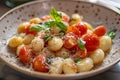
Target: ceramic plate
[[93, 12]]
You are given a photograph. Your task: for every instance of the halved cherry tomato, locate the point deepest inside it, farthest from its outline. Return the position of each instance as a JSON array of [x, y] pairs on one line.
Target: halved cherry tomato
[[46, 17], [39, 63], [27, 30], [25, 55], [74, 30], [65, 18], [100, 30], [92, 41], [70, 40], [80, 53], [81, 27]]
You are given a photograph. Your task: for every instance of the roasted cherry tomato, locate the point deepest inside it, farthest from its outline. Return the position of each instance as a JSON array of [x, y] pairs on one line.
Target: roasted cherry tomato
[[81, 27], [26, 55], [70, 40], [100, 30], [44, 18], [27, 30], [39, 63], [74, 30], [80, 53], [92, 41]]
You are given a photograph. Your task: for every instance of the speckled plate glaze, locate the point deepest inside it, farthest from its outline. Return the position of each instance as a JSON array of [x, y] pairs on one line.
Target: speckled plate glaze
[[93, 12]]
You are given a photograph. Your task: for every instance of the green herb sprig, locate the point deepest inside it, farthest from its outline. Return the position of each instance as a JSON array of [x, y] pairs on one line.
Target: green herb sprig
[[112, 33], [81, 44], [56, 21]]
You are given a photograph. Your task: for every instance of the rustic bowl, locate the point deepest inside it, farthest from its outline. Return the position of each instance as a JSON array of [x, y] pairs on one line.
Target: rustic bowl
[[96, 13]]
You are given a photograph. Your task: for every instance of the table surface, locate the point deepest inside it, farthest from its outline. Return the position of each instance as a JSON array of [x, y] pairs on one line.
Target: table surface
[[6, 73]]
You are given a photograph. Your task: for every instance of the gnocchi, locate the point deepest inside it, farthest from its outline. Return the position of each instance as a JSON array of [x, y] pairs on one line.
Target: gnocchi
[[55, 44], [69, 66], [85, 65], [97, 56], [15, 42], [105, 43], [37, 44]]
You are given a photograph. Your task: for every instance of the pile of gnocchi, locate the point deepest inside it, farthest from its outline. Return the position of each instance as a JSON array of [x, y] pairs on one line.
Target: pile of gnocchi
[[60, 44]]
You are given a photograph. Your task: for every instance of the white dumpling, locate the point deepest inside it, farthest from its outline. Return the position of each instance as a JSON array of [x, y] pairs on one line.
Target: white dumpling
[[55, 44], [69, 66], [21, 27], [85, 65], [56, 65], [63, 53], [15, 42], [105, 43], [97, 56], [28, 38], [37, 44], [19, 48], [35, 20]]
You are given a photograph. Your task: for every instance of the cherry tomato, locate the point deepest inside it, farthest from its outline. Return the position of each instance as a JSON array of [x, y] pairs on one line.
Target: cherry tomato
[[65, 18], [100, 30], [81, 27], [92, 41], [46, 17], [25, 54], [27, 30], [39, 63], [70, 40], [80, 53], [74, 30]]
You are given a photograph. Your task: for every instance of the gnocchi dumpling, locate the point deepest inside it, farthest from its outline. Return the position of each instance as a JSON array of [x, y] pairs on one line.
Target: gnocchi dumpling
[[105, 43], [56, 65], [97, 56], [28, 38], [35, 20], [21, 27], [69, 66], [55, 44], [76, 18], [63, 53], [85, 65], [37, 44], [15, 41]]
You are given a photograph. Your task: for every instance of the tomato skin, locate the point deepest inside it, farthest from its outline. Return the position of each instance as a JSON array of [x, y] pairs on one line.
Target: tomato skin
[[70, 40], [92, 41], [80, 53], [27, 30], [74, 30], [25, 55], [65, 18], [100, 30], [81, 27], [46, 17], [39, 63]]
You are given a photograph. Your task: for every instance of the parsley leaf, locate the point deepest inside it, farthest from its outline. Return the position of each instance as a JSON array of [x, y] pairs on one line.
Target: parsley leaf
[[112, 33], [81, 44]]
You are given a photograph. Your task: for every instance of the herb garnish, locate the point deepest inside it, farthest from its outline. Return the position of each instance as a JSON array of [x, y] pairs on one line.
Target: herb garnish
[[77, 60], [81, 44], [56, 21], [112, 33]]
